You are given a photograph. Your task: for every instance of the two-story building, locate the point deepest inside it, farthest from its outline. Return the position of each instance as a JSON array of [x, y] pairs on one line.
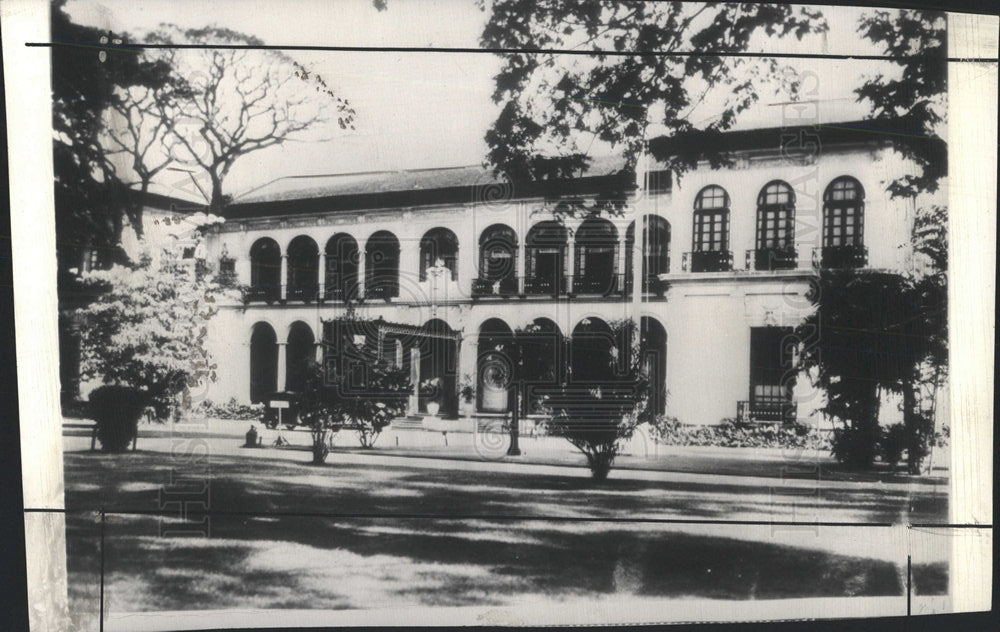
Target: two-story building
[[715, 267]]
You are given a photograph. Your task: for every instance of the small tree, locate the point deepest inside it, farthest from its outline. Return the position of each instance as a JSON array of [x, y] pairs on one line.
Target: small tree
[[367, 401], [147, 329], [598, 418]]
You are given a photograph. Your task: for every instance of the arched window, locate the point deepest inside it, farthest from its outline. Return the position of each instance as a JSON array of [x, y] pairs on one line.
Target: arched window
[[497, 261], [596, 257], [775, 228], [299, 355], [545, 250], [439, 245], [303, 269], [265, 270], [263, 362], [382, 265], [655, 251], [342, 260], [843, 224], [711, 231]]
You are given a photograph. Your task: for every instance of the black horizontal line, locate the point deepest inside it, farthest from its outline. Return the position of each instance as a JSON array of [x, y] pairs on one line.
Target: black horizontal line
[[497, 51], [455, 517]]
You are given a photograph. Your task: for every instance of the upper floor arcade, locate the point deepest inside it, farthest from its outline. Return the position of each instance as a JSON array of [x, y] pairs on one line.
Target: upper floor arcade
[[766, 214]]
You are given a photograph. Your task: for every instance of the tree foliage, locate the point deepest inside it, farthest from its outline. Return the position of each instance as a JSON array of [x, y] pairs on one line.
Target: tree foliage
[[597, 417], [365, 397], [232, 101], [882, 331], [92, 201], [911, 102], [555, 104], [147, 328]]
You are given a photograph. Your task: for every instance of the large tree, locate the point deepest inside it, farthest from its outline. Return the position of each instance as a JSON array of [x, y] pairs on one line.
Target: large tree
[[91, 200], [555, 102], [235, 101], [875, 331]]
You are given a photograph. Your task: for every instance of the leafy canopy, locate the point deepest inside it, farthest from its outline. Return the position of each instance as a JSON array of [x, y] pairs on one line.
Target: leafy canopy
[[555, 104]]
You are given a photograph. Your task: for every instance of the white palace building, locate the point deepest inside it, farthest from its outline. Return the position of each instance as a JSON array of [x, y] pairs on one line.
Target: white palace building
[[715, 266]]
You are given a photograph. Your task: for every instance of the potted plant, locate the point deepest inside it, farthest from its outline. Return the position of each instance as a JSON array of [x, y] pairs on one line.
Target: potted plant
[[431, 389], [467, 396]]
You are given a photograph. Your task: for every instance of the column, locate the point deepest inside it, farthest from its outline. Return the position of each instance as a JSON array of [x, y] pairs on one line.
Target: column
[[322, 275], [283, 281], [282, 365], [361, 272], [413, 405], [522, 263], [468, 356], [622, 262], [638, 251], [571, 264]]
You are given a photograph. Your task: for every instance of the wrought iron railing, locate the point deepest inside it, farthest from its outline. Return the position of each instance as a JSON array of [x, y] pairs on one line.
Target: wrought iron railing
[[506, 286], [768, 411], [840, 257], [778, 258], [707, 261]]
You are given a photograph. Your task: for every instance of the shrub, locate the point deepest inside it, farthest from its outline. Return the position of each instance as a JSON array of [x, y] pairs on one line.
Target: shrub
[[856, 447], [892, 443], [116, 410], [232, 410]]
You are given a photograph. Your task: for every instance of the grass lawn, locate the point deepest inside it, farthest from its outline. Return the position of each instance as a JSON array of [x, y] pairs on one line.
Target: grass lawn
[[393, 532]]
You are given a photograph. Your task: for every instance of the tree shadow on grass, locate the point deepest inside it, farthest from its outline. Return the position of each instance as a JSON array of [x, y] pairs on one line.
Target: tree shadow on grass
[[133, 482], [311, 562]]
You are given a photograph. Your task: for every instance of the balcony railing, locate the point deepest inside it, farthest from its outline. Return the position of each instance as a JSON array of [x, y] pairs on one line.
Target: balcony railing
[[506, 286], [707, 261], [840, 257], [767, 411], [306, 294], [602, 285], [778, 258], [535, 286], [262, 294]]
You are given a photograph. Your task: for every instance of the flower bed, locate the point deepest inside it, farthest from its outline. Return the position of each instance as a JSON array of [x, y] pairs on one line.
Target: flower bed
[[730, 434]]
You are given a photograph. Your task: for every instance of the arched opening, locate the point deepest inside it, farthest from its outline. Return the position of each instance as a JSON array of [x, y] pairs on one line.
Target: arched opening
[[303, 269], [596, 257], [544, 353], [653, 358], [844, 224], [382, 265], [299, 355], [775, 228], [265, 270], [710, 250], [655, 259], [494, 367], [593, 353], [263, 362], [439, 246], [342, 260], [545, 251], [438, 367], [497, 261]]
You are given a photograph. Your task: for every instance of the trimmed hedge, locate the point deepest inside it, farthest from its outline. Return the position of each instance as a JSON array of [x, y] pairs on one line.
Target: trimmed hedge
[[116, 410]]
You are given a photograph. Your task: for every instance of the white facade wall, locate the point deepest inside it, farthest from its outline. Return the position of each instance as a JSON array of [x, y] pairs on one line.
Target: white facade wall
[[707, 316]]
